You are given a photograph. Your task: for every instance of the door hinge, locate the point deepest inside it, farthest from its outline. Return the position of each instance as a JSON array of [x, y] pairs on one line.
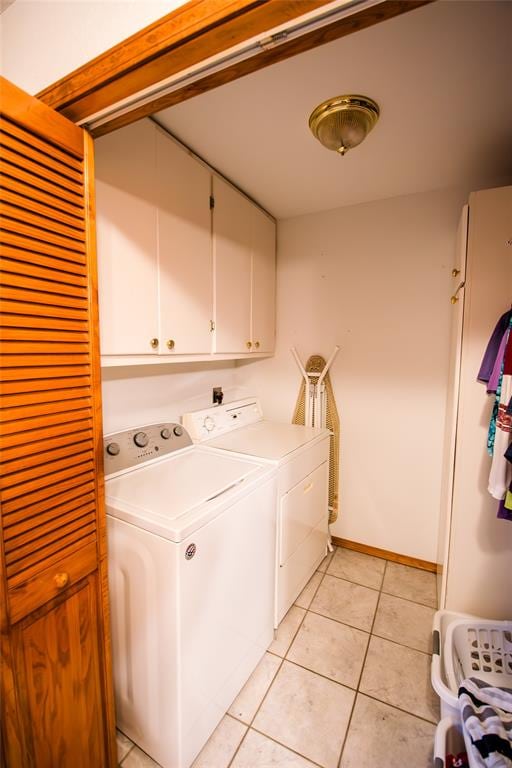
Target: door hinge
[[212, 202], [212, 326]]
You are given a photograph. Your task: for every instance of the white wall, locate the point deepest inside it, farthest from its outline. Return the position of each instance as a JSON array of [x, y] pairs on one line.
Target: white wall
[[138, 395], [44, 40], [376, 279]]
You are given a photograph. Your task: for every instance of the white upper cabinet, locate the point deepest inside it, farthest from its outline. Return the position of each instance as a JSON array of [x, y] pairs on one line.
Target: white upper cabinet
[[127, 240], [178, 279], [184, 250], [232, 245], [244, 250], [263, 298]]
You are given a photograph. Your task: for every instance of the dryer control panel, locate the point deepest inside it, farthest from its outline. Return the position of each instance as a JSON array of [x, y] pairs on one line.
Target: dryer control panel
[[220, 419], [133, 447]]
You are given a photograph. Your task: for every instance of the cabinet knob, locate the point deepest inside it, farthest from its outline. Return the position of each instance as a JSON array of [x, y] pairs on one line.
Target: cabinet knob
[[249, 344], [170, 344], [61, 579], [257, 345], [455, 272], [153, 343]]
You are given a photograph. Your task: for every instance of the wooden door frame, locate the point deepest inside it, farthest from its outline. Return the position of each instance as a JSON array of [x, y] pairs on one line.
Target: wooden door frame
[[187, 36]]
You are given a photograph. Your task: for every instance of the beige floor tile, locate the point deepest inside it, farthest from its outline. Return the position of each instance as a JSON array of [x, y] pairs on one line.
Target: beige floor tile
[[306, 713], [308, 593], [404, 622], [123, 745], [358, 567], [259, 752], [138, 759], [250, 697], [382, 736], [400, 676], [287, 631], [410, 583], [330, 648], [222, 744], [341, 600], [325, 562]]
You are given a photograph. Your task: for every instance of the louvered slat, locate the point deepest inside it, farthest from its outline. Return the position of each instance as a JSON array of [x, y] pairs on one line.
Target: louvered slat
[[44, 267], [52, 517], [35, 463], [26, 150], [48, 469], [30, 139], [77, 495]]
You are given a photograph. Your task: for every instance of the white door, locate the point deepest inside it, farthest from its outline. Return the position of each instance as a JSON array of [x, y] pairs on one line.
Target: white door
[[263, 300], [127, 240], [232, 236], [184, 250]]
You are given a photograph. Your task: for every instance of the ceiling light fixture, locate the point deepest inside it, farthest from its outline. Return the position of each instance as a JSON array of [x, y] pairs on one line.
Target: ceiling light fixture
[[344, 122]]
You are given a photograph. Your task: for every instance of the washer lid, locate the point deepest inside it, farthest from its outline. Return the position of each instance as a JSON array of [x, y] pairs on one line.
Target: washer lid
[[179, 493], [268, 439]]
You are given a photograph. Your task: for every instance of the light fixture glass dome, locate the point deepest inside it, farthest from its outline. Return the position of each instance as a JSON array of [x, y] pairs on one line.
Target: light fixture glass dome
[[342, 123]]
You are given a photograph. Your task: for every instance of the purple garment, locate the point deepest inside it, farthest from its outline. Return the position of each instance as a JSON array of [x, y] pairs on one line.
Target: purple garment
[[503, 512], [493, 346], [492, 386]]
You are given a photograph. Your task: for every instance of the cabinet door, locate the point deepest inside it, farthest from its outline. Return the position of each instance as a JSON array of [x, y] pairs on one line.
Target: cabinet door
[[184, 250], [127, 240], [232, 236], [263, 300], [58, 671]]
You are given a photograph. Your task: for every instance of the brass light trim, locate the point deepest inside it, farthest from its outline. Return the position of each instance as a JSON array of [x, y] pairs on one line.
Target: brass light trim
[[344, 122]]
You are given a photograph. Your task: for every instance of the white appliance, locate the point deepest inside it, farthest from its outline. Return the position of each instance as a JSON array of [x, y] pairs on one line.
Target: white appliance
[[301, 455], [191, 539]]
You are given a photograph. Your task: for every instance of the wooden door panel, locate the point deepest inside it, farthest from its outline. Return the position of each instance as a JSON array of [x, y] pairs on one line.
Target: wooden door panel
[[56, 696], [58, 658]]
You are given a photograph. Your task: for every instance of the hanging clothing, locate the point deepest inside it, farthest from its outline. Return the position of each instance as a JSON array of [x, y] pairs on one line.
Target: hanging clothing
[[493, 346], [499, 477]]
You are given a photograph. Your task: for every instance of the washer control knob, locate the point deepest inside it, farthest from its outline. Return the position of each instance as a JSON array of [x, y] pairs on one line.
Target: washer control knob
[[165, 433], [141, 439], [113, 449], [209, 424], [178, 431]]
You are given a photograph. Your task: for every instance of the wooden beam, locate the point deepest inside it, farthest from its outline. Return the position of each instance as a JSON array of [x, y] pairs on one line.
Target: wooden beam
[[186, 37]]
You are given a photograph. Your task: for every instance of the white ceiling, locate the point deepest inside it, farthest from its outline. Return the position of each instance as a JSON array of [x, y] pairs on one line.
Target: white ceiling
[[441, 75]]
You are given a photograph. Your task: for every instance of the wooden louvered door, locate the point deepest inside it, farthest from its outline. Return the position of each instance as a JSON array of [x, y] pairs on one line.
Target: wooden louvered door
[[56, 691]]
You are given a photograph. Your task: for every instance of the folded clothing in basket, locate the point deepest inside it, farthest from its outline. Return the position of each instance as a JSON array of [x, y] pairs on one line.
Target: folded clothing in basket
[[487, 719]]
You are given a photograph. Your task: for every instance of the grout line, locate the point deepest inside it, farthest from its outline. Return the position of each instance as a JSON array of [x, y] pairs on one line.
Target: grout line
[[356, 583], [250, 726], [362, 669], [399, 709], [338, 621], [290, 749], [402, 645], [408, 600]]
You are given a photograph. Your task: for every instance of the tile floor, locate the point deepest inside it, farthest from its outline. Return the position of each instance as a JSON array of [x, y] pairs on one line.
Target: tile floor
[[346, 682]]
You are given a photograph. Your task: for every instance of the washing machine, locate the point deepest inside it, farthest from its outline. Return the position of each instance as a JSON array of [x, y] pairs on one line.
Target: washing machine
[[301, 457], [191, 541]]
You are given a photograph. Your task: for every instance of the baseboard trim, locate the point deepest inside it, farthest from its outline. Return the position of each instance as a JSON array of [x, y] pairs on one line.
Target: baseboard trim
[[415, 562]]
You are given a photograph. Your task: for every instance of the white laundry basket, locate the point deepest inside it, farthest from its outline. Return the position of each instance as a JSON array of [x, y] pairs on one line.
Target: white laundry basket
[[465, 646]]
